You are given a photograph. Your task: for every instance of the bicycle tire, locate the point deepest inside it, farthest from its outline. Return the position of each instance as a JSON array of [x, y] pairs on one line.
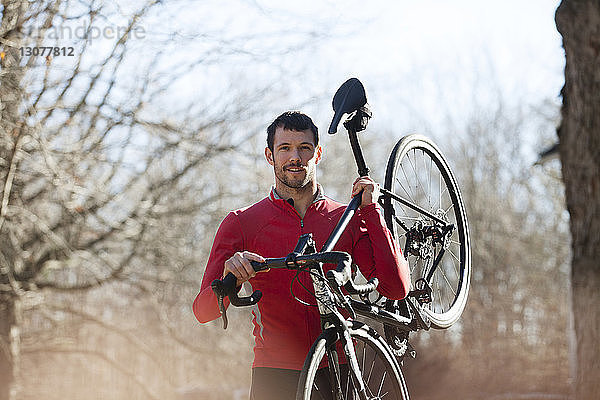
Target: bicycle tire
[[415, 161], [380, 371]]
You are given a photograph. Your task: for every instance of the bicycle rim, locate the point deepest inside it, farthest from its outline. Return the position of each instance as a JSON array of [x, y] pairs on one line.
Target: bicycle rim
[[418, 172]]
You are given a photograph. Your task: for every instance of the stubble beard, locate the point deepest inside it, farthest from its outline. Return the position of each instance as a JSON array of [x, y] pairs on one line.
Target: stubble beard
[[302, 183]]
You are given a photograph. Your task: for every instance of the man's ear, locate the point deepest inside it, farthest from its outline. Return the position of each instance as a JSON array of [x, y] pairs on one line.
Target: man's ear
[[319, 152], [269, 155]]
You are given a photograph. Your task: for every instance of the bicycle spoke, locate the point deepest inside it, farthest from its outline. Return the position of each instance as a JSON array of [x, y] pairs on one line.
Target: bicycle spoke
[[370, 372], [404, 213], [418, 181], [407, 181], [381, 384], [413, 268], [410, 197], [441, 271], [429, 175], [443, 186], [364, 357], [424, 176], [456, 270], [439, 292], [440, 186], [454, 255], [448, 282], [419, 155], [321, 395], [405, 191], [436, 279]]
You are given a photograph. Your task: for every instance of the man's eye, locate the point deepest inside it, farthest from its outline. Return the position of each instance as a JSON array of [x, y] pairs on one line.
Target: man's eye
[[284, 148]]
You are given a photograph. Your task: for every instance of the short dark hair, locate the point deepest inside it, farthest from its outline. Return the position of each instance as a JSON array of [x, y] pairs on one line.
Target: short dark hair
[[292, 120]]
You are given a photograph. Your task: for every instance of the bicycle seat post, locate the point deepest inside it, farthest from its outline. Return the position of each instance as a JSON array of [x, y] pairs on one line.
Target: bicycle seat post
[[363, 170]]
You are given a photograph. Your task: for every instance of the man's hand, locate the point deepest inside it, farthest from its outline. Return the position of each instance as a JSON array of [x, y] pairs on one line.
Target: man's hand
[[370, 190], [239, 265]]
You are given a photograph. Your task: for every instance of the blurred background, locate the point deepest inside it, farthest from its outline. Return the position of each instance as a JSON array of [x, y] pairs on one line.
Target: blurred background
[[123, 151]]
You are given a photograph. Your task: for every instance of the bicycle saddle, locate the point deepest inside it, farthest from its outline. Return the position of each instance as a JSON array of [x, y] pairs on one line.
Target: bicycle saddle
[[349, 98]]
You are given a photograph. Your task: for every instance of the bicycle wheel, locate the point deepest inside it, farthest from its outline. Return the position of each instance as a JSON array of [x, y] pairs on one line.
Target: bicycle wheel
[[418, 172], [378, 369]]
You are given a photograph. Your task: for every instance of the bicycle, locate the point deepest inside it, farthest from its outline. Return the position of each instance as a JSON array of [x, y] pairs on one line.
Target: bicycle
[[421, 201]]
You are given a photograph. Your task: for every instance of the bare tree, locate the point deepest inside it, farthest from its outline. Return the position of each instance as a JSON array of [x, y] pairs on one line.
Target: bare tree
[[579, 136], [106, 187]]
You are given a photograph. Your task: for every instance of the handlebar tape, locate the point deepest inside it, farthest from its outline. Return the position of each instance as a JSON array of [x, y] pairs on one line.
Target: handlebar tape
[[227, 287], [342, 276]]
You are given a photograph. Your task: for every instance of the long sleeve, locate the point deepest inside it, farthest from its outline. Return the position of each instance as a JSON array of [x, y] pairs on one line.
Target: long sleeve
[[378, 254], [228, 240]]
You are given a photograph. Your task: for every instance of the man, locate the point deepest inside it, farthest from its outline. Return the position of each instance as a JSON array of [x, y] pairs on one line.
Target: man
[[284, 329]]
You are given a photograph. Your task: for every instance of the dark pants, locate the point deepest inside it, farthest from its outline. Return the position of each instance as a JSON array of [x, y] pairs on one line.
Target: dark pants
[[281, 384]]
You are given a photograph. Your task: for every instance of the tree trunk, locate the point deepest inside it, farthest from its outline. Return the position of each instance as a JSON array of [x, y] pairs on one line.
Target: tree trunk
[[579, 23], [11, 96], [9, 349]]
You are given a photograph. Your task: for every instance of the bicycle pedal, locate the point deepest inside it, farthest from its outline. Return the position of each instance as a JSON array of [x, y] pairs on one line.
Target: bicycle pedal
[[422, 292], [422, 296]]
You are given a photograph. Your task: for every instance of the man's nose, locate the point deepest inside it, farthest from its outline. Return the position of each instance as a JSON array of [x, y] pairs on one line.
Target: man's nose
[[295, 154]]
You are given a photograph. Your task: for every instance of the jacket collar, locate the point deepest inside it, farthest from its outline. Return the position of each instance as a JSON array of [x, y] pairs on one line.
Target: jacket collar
[[319, 196]]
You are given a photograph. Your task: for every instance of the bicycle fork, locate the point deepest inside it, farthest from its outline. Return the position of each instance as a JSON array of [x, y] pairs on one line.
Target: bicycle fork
[[353, 367], [332, 319], [335, 372]]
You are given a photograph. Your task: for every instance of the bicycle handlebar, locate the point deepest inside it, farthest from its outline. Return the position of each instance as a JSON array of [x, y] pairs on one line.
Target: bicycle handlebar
[[340, 277], [227, 287]]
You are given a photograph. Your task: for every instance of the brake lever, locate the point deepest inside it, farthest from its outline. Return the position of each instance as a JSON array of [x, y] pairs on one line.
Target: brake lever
[[220, 288], [227, 287], [217, 287]]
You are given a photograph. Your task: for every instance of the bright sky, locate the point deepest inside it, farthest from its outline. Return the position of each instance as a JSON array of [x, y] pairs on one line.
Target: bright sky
[[414, 57], [421, 61], [428, 53]]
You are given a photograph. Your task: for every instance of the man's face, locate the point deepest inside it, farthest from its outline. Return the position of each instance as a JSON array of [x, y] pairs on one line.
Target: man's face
[[294, 157]]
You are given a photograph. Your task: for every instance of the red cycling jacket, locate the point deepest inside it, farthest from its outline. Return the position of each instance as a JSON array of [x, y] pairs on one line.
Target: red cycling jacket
[[284, 329]]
